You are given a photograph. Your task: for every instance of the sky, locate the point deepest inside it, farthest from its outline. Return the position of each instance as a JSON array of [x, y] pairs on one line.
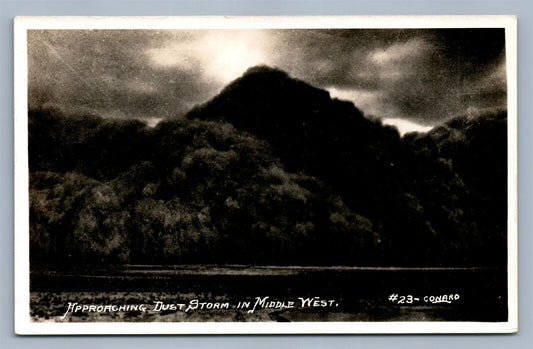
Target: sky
[[413, 79]]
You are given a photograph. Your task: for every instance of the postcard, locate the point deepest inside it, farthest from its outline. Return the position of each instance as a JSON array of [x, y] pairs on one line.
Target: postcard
[[247, 175]]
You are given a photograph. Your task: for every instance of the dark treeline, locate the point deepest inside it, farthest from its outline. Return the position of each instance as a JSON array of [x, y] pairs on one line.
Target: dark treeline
[[271, 171]]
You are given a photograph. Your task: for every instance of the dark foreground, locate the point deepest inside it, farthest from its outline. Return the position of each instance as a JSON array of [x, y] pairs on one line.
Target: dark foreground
[[214, 293]]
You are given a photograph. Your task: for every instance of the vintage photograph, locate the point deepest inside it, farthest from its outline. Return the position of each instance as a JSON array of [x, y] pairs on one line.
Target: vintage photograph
[[323, 174]]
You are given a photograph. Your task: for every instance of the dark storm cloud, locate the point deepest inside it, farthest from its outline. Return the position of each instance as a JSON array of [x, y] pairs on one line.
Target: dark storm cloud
[[424, 76]]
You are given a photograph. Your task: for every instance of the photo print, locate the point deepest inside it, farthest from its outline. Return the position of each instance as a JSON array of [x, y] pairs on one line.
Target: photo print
[[265, 174]]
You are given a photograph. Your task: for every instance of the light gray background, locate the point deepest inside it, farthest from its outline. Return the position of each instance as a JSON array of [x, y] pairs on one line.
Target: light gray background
[[522, 8]]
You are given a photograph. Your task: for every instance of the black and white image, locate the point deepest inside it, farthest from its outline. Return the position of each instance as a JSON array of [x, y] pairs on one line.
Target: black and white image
[[235, 173]]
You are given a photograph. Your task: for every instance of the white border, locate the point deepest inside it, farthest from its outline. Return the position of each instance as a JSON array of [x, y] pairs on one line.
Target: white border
[[23, 325]]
